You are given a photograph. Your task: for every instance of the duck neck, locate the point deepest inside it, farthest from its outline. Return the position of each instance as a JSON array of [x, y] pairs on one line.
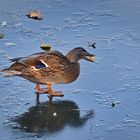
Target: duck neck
[[71, 57]]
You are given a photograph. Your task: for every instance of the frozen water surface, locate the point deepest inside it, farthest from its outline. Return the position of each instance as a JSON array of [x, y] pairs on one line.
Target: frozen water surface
[[104, 102]]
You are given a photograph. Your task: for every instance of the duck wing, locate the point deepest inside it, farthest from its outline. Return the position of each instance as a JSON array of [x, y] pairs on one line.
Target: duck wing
[[50, 60], [54, 58]]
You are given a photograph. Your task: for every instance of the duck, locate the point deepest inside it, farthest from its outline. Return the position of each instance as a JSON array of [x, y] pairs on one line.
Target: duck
[[49, 68]]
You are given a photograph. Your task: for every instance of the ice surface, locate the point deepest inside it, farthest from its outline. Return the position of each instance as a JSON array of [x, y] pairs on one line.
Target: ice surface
[[114, 78]]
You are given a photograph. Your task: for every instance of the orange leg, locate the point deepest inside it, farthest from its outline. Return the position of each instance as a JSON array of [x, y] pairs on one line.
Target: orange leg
[[47, 90], [52, 93], [40, 90]]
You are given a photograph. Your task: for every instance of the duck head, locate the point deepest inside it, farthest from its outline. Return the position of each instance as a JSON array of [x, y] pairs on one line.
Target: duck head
[[79, 53]]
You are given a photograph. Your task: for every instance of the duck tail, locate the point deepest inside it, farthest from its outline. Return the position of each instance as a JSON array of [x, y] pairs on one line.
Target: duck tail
[[8, 72]]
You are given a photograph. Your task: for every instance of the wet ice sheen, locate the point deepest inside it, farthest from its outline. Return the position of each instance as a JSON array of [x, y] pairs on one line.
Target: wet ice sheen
[[113, 78]]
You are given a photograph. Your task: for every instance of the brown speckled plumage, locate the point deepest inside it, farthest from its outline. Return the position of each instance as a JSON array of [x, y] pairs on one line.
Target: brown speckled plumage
[[50, 67]]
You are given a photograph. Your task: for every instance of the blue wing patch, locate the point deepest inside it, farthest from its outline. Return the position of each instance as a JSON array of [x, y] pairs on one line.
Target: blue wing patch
[[40, 66]]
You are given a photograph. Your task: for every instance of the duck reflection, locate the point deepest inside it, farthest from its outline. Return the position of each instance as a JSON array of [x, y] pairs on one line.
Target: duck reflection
[[52, 117]]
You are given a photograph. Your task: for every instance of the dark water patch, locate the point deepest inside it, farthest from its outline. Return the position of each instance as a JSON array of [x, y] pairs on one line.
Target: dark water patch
[[49, 118]]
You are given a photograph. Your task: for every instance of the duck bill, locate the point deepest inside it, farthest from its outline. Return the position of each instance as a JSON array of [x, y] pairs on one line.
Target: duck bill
[[90, 57]]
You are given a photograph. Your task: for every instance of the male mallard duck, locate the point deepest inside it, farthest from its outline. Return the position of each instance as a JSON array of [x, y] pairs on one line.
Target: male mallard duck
[[48, 68]]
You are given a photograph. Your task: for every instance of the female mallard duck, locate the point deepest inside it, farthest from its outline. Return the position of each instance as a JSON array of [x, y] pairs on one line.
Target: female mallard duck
[[50, 67]]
